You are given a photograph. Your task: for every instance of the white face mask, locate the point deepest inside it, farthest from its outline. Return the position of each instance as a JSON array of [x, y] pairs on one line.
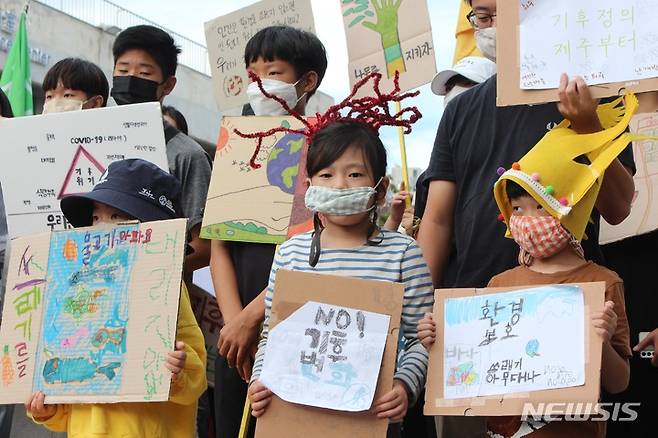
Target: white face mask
[[340, 202], [62, 105], [456, 91], [485, 39], [264, 106]]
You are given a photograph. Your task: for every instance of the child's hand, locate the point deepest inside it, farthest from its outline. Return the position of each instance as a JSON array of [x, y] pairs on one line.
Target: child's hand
[[260, 398], [577, 105], [605, 322], [392, 405], [408, 221], [652, 338], [427, 331], [176, 360], [37, 409]]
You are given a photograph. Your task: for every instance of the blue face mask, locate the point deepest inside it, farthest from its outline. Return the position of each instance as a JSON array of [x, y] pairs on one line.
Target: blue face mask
[[340, 202]]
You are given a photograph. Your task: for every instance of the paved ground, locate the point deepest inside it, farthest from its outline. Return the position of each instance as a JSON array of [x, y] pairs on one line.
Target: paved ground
[[24, 428]]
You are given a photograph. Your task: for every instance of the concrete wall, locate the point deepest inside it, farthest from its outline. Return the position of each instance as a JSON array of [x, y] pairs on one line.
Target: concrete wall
[[58, 36]]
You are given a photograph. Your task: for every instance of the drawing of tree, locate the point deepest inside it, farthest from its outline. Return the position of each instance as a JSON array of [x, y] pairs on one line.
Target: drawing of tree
[[386, 12]]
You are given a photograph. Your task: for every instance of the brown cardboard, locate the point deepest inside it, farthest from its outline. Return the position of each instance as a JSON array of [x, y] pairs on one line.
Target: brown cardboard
[[512, 404], [292, 290], [509, 74], [152, 290]]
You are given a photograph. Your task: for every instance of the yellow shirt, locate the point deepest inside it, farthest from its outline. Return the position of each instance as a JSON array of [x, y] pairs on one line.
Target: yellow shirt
[[175, 418]]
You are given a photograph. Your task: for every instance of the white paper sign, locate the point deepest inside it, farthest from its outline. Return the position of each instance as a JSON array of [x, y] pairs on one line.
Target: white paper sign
[[601, 40], [326, 356], [521, 341], [47, 157]]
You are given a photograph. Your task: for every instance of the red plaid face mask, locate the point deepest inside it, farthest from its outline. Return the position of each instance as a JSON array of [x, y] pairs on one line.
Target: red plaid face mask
[[539, 236]]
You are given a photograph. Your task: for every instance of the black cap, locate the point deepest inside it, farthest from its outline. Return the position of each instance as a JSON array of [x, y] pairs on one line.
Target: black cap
[[136, 187]]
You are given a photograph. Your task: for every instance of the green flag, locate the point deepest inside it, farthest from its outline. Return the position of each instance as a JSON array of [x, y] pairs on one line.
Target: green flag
[[16, 79]]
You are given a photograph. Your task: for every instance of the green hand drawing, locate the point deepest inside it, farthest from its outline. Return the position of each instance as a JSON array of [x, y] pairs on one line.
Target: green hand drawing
[[386, 12]]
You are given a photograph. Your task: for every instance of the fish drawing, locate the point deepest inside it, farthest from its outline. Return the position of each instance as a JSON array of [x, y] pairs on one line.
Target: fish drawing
[[107, 335], [77, 369]]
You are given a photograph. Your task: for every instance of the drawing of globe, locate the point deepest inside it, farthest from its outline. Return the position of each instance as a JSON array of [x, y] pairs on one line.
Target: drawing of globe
[[283, 162]]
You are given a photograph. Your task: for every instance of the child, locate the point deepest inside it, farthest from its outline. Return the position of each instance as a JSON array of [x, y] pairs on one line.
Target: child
[[73, 84], [145, 62], [547, 199], [346, 165], [119, 197], [292, 62], [401, 217]]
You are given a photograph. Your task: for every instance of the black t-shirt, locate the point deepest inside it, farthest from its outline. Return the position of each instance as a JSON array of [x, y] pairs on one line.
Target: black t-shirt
[[252, 263], [475, 138]]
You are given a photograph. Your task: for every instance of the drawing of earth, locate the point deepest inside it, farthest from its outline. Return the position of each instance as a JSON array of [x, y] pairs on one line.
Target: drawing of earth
[[283, 162]]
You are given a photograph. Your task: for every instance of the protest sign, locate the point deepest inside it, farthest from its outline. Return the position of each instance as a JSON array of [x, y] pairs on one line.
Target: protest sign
[[644, 214], [503, 347], [326, 356], [90, 314], [51, 156], [207, 314], [611, 44], [389, 36], [227, 37], [265, 204], [292, 291]]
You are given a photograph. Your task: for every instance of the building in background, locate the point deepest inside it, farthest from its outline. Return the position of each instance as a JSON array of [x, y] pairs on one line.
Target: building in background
[[396, 176]]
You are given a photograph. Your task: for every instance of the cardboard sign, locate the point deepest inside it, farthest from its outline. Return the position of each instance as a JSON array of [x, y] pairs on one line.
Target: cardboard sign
[[292, 291], [209, 318], [90, 314], [227, 37], [389, 36], [509, 371], [644, 213], [263, 205], [610, 43], [326, 356], [50, 156]]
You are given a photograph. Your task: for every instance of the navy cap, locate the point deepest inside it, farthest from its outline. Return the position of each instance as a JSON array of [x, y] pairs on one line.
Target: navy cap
[[136, 187]]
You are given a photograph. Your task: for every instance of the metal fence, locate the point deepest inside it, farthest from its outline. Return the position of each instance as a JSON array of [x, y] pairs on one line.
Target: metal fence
[[105, 14]]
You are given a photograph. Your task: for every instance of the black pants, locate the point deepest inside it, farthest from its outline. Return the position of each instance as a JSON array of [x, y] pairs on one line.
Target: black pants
[[230, 395]]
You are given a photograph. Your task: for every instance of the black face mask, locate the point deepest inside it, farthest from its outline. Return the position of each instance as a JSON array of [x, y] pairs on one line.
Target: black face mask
[[132, 89]]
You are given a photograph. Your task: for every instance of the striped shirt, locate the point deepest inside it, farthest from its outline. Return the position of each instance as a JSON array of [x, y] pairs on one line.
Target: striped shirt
[[398, 259]]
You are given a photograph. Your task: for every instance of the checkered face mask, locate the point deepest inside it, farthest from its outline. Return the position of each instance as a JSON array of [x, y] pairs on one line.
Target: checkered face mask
[[539, 236], [340, 202]]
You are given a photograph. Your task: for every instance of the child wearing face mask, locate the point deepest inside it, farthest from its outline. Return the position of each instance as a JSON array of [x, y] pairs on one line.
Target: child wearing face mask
[[116, 198], [467, 73], [546, 200], [346, 165], [73, 84], [291, 64]]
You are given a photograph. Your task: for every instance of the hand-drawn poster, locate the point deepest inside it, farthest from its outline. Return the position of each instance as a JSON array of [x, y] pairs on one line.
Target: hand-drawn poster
[[612, 44], [257, 205], [292, 291], [90, 314], [326, 356], [644, 213], [227, 37], [504, 347], [47, 157], [389, 36], [209, 318]]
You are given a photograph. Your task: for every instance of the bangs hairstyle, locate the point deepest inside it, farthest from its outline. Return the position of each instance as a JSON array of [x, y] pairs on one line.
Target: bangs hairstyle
[[514, 191], [154, 41], [301, 49], [333, 140], [78, 74], [179, 118]]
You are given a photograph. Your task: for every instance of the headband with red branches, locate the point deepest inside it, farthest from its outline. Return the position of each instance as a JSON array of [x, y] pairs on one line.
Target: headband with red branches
[[373, 111]]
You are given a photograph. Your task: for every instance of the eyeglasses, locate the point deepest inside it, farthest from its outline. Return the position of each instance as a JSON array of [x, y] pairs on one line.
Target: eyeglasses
[[480, 20]]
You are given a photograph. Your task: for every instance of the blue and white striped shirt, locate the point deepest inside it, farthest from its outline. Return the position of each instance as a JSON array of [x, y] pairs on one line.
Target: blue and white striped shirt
[[398, 259]]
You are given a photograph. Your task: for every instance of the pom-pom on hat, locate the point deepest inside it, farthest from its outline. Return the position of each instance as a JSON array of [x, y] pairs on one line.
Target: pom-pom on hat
[[555, 174]]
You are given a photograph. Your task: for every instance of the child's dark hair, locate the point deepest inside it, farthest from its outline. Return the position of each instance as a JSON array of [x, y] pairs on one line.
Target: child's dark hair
[[514, 191], [78, 74], [154, 41], [179, 118], [303, 50], [327, 146]]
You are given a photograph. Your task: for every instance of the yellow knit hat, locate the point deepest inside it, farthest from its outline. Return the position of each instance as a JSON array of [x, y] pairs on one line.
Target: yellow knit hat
[[550, 173]]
